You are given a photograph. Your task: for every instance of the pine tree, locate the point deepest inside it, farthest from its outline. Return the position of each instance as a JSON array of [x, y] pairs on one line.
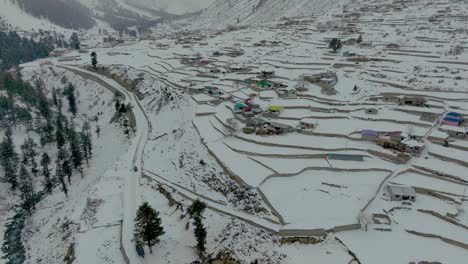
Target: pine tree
[[94, 59], [148, 226], [59, 135], [359, 40], [66, 168], [45, 162], [9, 158], [75, 149], [64, 80], [196, 213], [54, 96], [74, 41], [70, 93], [86, 142], [335, 44], [29, 151], [98, 130], [47, 133], [200, 234], [60, 176], [196, 209], [26, 189]]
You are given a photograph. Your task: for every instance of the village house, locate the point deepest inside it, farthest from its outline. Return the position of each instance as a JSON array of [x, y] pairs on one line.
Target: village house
[[248, 114], [306, 125], [326, 79], [255, 122], [273, 112], [452, 119], [266, 74], [215, 91], [263, 84], [287, 93], [413, 100], [412, 145], [255, 108], [282, 127], [225, 97], [196, 89], [401, 193], [454, 131], [386, 142], [369, 135]]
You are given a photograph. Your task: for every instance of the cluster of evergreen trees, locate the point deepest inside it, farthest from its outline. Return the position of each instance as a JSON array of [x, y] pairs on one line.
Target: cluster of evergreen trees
[[148, 226], [74, 148], [15, 49], [65, 13]]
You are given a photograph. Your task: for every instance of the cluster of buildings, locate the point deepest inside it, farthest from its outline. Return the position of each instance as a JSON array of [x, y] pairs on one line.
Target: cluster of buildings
[[326, 79], [260, 126], [452, 124], [247, 108], [394, 140]]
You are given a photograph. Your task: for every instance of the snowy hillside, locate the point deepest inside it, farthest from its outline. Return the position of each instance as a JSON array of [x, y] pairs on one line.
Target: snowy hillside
[[17, 18], [247, 12]]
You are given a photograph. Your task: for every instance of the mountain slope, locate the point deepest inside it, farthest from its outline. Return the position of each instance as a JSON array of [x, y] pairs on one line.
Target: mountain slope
[[68, 14], [247, 12]]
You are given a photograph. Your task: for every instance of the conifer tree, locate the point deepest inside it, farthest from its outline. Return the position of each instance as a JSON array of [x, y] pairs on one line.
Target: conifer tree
[[60, 176], [59, 135], [98, 130], [148, 226], [75, 149], [196, 213], [200, 234], [47, 133], [54, 96], [45, 163], [70, 93], [359, 40], [94, 59], [63, 157], [86, 142], [26, 189], [9, 158], [74, 41], [29, 154]]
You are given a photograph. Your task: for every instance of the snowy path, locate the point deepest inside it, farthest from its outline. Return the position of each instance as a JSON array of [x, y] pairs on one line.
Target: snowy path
[[130, 193], [261, 223]]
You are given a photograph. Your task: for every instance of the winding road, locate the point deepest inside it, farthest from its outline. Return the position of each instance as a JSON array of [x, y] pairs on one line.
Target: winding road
[[130, 197]]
